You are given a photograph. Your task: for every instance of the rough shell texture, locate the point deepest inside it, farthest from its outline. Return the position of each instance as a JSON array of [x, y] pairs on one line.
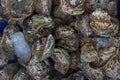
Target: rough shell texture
[[22, 75], [43, 7], [105, 55], [73, 7], [88, 52], [112, 69], [101, 23], [6, 41], [37, 27], [37, 68], [76, 76], [67, 38], [9, 71], [93, 74], [62, 17], [82, 25], [17, 8], [62, 60], [49, 46], [3, 58], [74, 57], [112, 8]]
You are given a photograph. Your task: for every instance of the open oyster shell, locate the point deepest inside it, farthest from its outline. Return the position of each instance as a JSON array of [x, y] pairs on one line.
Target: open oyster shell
[[73, 7], [101, 23]]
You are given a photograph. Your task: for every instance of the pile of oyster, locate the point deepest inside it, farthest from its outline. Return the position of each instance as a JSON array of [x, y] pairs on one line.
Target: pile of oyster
[[60, 40]]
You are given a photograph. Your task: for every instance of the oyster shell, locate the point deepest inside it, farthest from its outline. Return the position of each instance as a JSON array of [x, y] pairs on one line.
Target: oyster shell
[[74, 57], [112, 8], [75, 76], [88, 51], [92, 74], [60, 17], [9, 71], [37, 27], [43, 7], [3, 58], [17, 8], [49, 46], [38, 69], [101, 23], [62, 60], [73, 7], [66, 38], [82, 25], [106, 52], [6, 41], [22, 75], [112, 69]]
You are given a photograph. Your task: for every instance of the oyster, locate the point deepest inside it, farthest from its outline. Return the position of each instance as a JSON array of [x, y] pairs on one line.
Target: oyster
[[67, 38], [43, 7], [37, 27], [106, 52], [6, 41], [61, 17], [73, 7], [3, 58], [92, 74], [37, 48], [49, 46], [74, 57], [112, 8], [75, 76], [62, 60], [82, 25], [22, 75], [101, 23], [38, 69], [112, 69], [17, 8], [9, 71], [91, 5], [88, 51]]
